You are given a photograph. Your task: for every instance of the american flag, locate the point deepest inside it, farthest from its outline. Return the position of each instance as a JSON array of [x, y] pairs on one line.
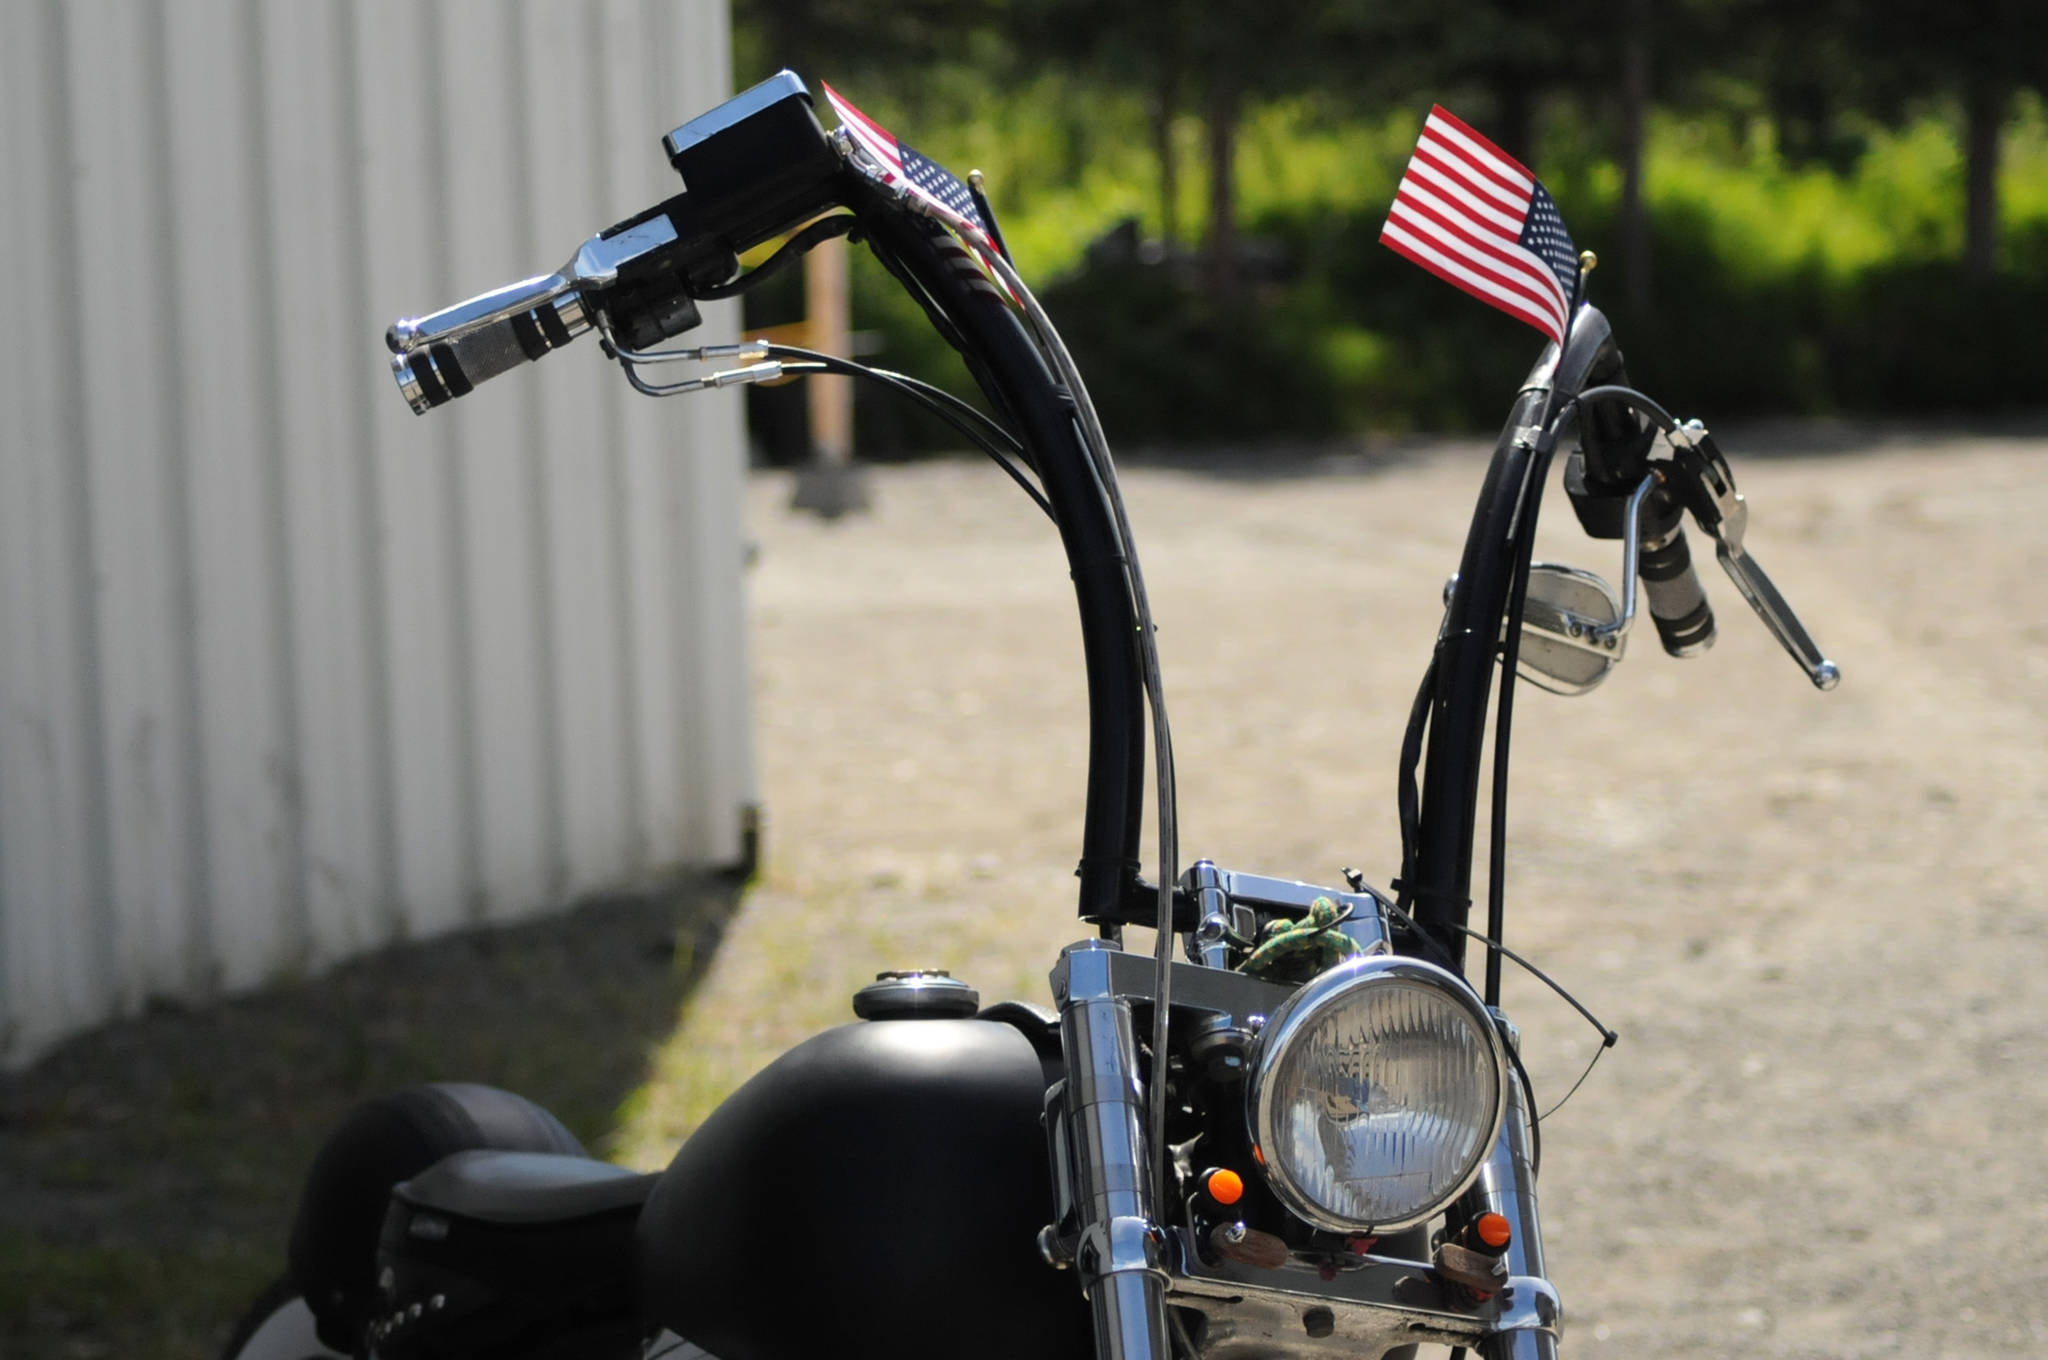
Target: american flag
[[1470, 214], [923, 177]]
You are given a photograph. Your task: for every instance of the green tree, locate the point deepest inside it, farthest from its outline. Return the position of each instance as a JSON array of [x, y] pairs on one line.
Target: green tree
[[1215, 58], [1886, 58]]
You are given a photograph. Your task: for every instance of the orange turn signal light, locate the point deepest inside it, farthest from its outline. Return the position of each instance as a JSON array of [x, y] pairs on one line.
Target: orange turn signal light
[[1224, 1186], [1494, 1230]]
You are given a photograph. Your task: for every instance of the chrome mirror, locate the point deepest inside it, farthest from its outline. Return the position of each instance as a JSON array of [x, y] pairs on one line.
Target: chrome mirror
[[1573, 629]]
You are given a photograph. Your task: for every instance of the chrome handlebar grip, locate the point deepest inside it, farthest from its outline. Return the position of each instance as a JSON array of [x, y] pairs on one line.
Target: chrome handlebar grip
[[1671, 587], [439, 358]]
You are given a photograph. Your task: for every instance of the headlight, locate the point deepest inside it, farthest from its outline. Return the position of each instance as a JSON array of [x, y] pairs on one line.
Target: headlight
[[1377, 1091]]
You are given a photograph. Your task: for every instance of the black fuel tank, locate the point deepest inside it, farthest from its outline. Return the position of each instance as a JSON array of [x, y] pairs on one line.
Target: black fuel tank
[[876, 1191]]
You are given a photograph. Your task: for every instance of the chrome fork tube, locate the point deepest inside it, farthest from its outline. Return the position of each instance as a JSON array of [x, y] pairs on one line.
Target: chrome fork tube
[[1531, 1319], [1119, 1252]]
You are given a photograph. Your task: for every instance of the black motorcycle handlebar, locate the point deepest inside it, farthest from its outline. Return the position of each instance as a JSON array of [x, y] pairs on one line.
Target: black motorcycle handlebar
[[758, 166], [1018, 383]]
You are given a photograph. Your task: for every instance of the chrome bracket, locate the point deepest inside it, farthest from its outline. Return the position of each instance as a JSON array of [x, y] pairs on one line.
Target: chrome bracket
[[1118, 1246], [1631, 547]]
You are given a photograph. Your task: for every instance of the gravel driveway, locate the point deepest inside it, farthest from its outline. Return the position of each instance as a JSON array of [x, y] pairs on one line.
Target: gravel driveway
[[1818, 920]]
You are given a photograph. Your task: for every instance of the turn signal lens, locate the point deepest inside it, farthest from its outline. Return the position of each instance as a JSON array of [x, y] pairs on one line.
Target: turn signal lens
[[1494, 1230], [1225, 1186]]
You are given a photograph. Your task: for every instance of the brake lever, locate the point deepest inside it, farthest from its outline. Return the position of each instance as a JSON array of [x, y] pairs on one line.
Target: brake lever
[[1701, 478]]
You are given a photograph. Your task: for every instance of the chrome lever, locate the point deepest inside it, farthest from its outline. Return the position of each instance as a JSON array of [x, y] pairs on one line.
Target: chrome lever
[[1707, 486], [451, 323], [1770, 606], [595, 267]]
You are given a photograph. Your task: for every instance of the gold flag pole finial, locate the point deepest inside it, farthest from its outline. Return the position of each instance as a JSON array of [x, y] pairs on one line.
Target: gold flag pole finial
[[1588, 262]]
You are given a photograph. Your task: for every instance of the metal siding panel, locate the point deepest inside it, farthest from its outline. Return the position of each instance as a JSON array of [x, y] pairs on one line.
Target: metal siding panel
[[579, 467], [486, 226], [152, 925], [714, 707], [651, 433], [289, 671], [720, 778], [245, 688], [430, 815], [312, 187], [53, 866]]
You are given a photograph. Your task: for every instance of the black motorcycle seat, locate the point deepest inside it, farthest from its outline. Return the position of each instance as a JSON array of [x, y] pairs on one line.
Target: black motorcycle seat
[[525, 1188]]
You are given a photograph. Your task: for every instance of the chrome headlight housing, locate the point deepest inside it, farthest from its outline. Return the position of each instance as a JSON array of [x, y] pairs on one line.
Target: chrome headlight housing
[[1377, 1091]]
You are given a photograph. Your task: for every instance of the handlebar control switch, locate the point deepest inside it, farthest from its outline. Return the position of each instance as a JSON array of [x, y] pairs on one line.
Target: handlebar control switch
[[756, 165]]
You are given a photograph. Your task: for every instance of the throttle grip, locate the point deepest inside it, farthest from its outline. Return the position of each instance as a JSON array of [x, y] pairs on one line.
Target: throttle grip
[[1671, 586], [432, 371]]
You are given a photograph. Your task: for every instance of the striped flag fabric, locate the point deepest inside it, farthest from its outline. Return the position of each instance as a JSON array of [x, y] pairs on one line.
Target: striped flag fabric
[[923, 177], [1473, 216]]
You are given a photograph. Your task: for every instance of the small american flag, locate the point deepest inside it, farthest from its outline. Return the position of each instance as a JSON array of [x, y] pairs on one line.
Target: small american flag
[[923, 177], [1471, 215]]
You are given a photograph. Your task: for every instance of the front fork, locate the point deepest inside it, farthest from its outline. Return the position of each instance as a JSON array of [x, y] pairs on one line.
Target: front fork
[[1531, 1318], [1107, 1185]]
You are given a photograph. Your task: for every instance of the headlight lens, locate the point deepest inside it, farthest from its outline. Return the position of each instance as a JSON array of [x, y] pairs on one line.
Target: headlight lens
[[1377, 1091]]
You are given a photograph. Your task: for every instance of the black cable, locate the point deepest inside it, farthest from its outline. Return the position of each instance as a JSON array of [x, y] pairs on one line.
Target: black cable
[[1535, 1125], [1504, 712], [1443, 958], [1609, 1038], [935, 399], [1407, 798], [988, 215], [1538, 1119], [930, 393], [974, 425], [1631, 398], [824, 229], [940, 402]]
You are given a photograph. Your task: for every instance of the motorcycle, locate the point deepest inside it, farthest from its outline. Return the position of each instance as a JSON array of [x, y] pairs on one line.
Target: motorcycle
[[1295, 1129]]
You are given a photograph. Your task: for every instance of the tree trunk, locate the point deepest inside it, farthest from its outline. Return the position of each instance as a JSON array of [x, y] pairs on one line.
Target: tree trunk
[[1635, 112], [1169, 164], [1515, 106], [1984, 104], [1223, 111]]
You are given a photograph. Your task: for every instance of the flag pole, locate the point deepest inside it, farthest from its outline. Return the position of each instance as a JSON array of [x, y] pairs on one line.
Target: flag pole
[[1588, 262]]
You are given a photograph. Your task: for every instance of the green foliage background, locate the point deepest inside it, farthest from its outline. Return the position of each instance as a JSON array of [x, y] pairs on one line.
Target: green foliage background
[[1781, 284]]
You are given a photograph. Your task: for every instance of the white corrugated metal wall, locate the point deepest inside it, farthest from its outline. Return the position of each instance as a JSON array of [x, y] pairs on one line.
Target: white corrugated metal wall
[[287, 672]]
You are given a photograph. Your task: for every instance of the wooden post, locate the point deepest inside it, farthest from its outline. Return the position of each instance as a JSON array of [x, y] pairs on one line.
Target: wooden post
[[829, 483]]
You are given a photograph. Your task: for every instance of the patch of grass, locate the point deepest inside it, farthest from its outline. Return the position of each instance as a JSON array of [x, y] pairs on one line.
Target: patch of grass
[[152, 1167], [63, 1301]]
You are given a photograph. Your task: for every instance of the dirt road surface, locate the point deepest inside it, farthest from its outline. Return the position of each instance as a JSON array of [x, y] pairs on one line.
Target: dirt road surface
[[1818, 920]]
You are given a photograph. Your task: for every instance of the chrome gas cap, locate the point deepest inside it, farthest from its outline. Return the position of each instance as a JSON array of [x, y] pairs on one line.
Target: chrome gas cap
[[916, 994]]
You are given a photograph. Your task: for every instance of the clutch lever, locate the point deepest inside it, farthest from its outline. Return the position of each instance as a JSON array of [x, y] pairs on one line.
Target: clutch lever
[[1701, 478]]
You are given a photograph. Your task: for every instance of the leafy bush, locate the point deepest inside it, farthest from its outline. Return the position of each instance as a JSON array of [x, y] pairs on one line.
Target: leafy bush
[[1776, 287]]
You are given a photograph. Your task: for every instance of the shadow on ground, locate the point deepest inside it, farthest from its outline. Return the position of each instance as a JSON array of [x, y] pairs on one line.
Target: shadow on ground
[[148, 1170]]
